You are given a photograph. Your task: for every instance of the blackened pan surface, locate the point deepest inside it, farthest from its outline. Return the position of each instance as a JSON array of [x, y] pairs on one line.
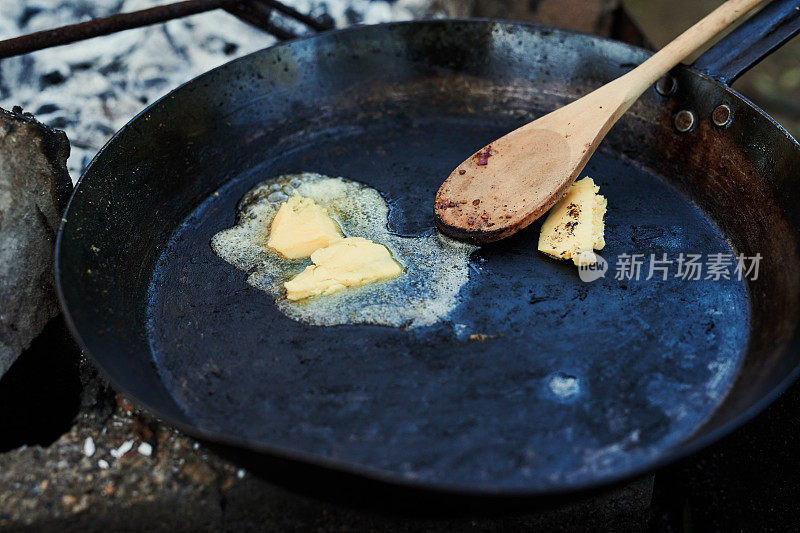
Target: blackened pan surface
[[578, 383]]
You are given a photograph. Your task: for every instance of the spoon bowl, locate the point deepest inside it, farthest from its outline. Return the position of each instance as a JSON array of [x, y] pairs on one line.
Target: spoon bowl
[[508, 184]]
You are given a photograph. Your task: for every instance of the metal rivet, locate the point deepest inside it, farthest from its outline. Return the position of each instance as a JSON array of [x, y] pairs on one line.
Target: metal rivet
[[684, 121], [666, 85], [722, 115]]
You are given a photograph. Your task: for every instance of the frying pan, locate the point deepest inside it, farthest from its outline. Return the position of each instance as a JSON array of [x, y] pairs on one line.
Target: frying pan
[[575, 386]]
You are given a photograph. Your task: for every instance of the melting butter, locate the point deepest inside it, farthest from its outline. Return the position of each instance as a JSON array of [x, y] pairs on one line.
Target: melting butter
[[434, 268], [301, 227], [574, 227], [349, 262]]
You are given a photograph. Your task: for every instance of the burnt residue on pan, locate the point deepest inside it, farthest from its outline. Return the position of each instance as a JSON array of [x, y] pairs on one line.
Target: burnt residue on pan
[[738, 174], [511, 391]]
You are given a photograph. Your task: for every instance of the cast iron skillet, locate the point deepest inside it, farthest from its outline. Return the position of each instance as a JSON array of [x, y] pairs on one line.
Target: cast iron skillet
[[581, 384]]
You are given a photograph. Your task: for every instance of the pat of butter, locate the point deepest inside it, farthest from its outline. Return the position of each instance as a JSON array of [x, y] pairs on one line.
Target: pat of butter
[[574, 227], [300, 227], [349, 262]]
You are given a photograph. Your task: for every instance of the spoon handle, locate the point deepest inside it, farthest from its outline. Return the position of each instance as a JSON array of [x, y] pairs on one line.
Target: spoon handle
[[640, 78]]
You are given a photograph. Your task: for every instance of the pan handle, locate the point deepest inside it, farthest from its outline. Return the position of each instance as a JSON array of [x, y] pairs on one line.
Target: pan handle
[[744, 47]]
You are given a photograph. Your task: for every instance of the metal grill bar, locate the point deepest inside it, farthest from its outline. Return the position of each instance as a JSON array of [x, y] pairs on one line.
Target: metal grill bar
[[289, 11], [254, 12], [258, 15]]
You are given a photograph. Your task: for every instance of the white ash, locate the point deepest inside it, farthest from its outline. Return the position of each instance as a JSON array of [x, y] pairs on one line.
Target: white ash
[[89, 447], [124, 448], [145, 449], [92, 88]]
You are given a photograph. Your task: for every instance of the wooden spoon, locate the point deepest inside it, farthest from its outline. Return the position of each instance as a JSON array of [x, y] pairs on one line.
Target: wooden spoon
[[511, 182]]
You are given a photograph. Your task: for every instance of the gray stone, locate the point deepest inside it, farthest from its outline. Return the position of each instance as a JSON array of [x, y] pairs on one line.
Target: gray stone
[[34, 188]]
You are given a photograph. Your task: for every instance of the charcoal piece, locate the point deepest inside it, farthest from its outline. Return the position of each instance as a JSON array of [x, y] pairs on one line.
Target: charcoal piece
[[51, 78]]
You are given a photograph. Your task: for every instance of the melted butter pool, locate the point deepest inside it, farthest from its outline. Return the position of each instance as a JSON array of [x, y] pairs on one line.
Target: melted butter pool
[[435, 268]]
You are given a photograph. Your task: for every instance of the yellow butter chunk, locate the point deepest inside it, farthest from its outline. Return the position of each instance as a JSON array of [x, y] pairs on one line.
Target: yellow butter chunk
[[349, 262], [574, 227], [301, 226]]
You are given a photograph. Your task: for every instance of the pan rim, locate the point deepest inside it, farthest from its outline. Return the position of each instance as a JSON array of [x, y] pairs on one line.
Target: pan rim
[[390, 478]]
